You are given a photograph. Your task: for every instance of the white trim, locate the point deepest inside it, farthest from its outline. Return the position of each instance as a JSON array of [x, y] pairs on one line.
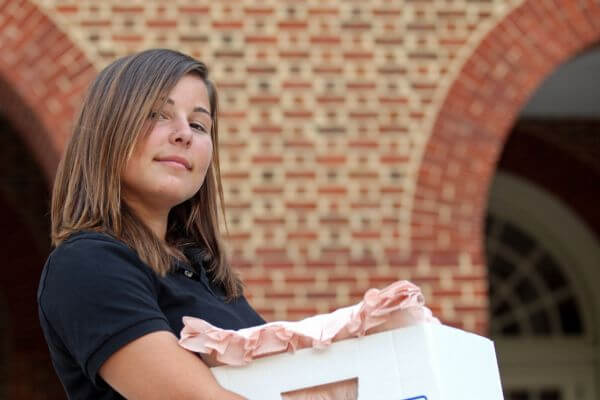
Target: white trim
[[565, 361], [563, 233]]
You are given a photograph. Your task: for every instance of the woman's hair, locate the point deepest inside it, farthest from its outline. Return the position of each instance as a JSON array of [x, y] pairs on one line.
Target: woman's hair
[[87, 193]]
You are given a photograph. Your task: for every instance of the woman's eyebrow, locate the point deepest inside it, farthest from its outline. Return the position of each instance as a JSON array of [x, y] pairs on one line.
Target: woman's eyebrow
[[196, 109], [202, 110]]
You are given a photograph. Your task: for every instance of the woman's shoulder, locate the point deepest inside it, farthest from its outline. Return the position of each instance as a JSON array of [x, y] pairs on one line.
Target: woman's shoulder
[[93, 252], [90, 262], [89, 244], [88, 239]]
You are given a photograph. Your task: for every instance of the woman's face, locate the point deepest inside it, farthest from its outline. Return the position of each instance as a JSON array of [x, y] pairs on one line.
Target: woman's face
[[169, 163]]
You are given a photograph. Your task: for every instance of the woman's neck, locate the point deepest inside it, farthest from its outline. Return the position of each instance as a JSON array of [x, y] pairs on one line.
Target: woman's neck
[[155, 220]]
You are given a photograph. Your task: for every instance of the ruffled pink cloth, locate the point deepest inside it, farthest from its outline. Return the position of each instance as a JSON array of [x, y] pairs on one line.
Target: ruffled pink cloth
[[399, 304]]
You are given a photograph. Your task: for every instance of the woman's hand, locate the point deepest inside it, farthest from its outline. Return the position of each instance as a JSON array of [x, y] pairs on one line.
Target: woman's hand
[[154, 366]]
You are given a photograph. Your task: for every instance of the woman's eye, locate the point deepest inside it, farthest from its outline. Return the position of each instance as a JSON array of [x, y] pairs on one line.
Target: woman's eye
[[197, 127], [158, 115]]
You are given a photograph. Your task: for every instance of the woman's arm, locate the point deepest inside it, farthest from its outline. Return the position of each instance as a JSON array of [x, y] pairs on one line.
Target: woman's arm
[[154, 366]]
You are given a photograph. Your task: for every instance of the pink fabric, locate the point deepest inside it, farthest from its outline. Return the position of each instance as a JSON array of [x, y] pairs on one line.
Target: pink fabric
[[399, 304]]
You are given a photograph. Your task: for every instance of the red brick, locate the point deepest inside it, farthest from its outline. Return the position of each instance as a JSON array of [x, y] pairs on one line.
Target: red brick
[[331, 159], [439, 293], [128, 9], [330, 99], [286, 25], [366, 235], [451, 13], [392, 129], [365, 205], [363, 144], [293, 54], [279, 295], [332, 190], [361, 85], [266, 281], [297, 313], [267, 312], [127, 38], [394, 12], [356, 26], [278, 264], [222, 53], [301, 205], [325, 39], [323, 11], [302, 235], [242, 205], [254, 39], [298, 114], [67, 9], [393, 158], [266, 129], [161, 23], [333, 251], [259, 10], [320, 264], [227, 25], [296, 85], [327, 70], [264, 99], [293, 279], [393, 100], [341, 278], [239, 236], [261, 69], [102, 23]]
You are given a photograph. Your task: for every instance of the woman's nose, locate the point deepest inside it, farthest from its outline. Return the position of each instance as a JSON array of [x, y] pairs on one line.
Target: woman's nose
[[181, 133]]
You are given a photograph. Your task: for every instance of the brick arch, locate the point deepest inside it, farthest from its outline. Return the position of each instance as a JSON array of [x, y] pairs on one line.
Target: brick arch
[[42, 76], [477, 115]]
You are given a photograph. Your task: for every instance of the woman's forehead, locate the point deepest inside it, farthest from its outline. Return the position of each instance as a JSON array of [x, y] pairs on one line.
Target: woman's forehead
[[190, 91]]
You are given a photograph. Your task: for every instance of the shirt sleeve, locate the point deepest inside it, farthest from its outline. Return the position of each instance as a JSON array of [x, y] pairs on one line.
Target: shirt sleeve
[[97, 296]]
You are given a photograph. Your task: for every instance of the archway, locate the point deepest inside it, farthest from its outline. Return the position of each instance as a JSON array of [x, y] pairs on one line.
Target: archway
[[42, 76], [479, 110]]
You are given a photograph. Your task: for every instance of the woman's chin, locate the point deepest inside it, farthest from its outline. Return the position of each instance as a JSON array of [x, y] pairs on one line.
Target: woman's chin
[[175, 193]]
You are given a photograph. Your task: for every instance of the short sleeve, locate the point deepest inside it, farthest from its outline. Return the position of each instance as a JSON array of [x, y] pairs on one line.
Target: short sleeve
[[96, 296]]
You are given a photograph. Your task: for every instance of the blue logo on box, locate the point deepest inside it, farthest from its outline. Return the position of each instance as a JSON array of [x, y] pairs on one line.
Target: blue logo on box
[[417, 398]]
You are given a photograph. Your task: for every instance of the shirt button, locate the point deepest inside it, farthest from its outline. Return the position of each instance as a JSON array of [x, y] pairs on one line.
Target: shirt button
[[187, 273]]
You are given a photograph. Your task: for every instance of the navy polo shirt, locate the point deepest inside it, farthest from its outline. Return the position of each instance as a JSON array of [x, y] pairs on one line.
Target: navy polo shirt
[[96, 295]]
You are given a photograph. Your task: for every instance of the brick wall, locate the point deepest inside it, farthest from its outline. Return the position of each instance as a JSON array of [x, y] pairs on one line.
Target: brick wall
[[325, 110], [358, 137]]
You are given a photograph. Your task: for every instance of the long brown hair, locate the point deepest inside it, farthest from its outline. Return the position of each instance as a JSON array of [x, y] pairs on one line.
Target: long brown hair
[[87, 190]]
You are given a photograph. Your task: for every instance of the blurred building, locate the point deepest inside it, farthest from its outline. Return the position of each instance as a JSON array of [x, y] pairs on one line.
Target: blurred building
[[454, 143]]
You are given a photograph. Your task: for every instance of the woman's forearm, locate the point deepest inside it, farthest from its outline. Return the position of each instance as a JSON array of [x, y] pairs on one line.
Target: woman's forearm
[[156, 367]]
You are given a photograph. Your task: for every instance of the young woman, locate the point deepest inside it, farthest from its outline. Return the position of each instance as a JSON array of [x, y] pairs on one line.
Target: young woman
[[135, 222]]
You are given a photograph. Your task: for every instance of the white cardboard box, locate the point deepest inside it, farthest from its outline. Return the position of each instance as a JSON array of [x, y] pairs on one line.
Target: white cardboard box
[[421, 362]]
